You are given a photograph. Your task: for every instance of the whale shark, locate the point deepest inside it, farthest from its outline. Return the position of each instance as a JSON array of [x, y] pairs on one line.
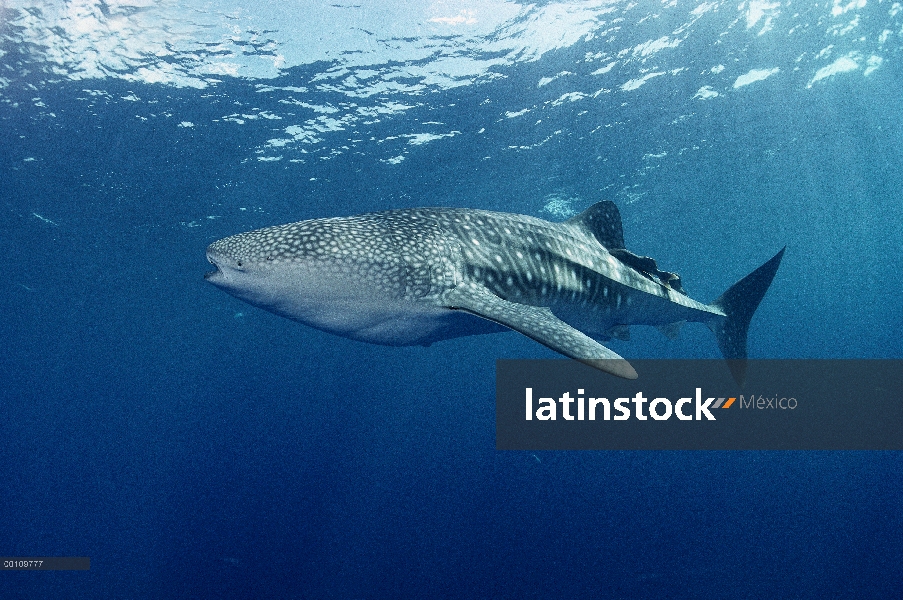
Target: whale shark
[[418, 276]]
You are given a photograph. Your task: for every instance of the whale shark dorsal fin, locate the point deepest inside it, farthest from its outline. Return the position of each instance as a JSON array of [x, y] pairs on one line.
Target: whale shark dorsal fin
[[538, 323], [603, 221]]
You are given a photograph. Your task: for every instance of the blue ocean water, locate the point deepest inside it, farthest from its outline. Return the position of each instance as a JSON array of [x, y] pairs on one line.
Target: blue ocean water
[[194, 446]]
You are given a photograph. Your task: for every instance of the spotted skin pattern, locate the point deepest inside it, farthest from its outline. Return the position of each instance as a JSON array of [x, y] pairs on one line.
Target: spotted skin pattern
[[418, 276]]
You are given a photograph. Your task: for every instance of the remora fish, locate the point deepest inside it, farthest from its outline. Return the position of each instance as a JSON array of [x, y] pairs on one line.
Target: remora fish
[[417, 276]]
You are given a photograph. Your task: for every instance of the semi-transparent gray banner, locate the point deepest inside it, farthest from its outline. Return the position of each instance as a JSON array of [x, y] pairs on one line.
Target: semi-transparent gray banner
[[45, 563], [697, 405]]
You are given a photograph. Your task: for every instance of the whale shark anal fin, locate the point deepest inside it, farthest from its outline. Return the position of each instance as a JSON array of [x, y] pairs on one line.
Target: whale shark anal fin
[[538, 323]]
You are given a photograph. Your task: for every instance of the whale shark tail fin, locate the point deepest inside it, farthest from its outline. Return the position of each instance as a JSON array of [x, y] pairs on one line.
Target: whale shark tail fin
[[739, 303]]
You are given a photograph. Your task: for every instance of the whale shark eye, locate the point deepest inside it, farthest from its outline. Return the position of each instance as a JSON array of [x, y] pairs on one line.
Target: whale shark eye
[[238, 263]]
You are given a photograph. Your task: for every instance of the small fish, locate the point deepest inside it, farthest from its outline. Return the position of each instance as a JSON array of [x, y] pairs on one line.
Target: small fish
[[45, 219]]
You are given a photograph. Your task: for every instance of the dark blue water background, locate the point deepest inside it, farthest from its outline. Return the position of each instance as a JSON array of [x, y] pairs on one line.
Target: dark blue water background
[[194, 446]]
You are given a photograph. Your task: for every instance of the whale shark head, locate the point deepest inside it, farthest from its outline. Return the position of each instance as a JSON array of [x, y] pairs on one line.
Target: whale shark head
[[307, 261], [250, 265], [349, 276]]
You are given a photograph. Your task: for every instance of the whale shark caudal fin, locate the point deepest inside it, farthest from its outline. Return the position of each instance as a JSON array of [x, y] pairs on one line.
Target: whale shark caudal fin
[[538, 323], [739, 303]]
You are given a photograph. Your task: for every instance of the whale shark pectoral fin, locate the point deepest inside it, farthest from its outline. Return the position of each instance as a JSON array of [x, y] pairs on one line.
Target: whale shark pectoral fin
[[538, 323]]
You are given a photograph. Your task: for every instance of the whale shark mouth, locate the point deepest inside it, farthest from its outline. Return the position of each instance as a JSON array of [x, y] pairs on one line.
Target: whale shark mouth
[[215, 274]]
